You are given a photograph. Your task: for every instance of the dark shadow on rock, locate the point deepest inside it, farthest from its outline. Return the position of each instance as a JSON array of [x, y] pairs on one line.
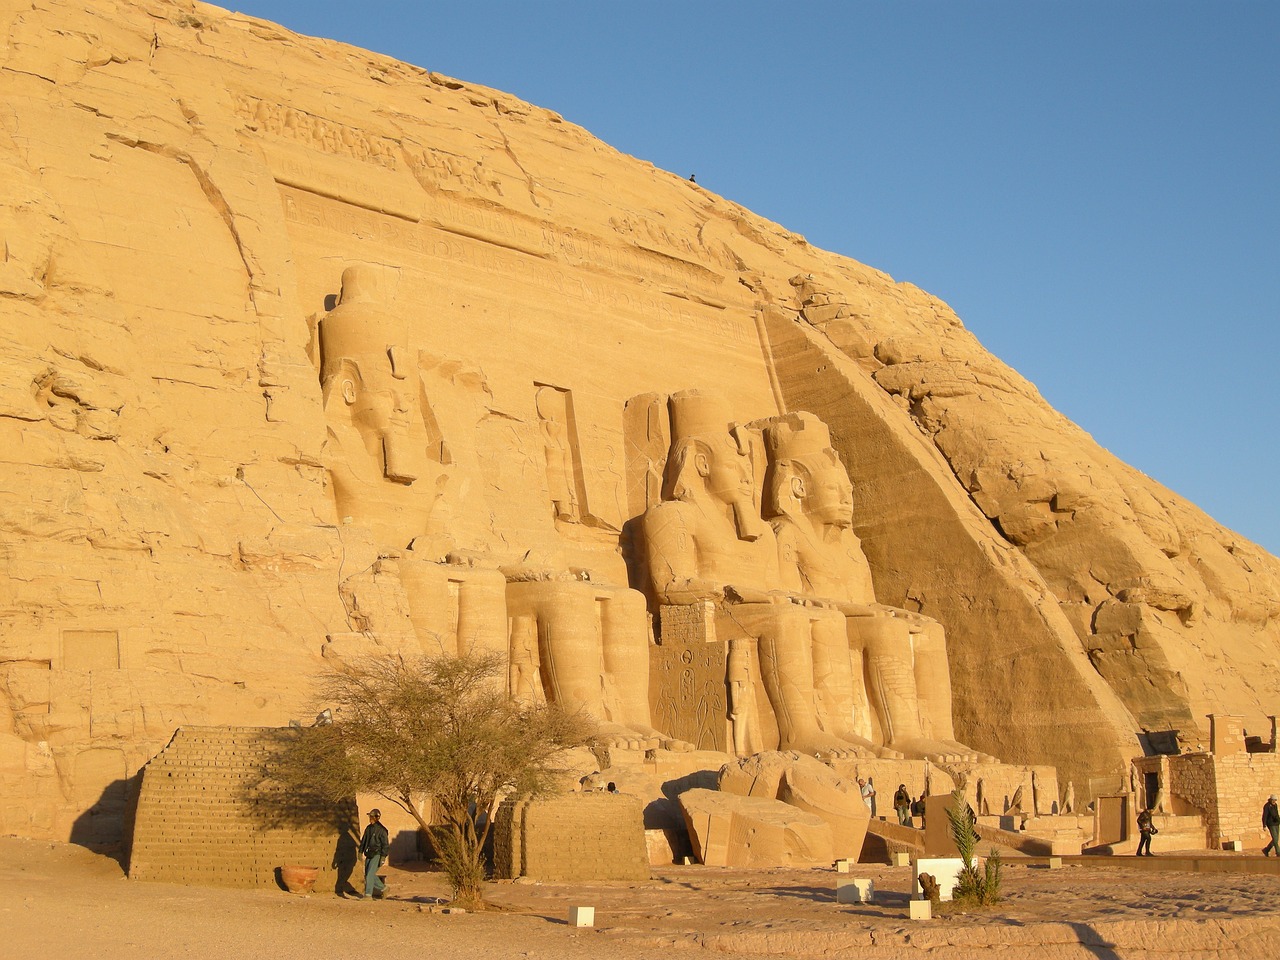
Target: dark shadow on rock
[[819, 894], [107, 826], [563, 921], [344, 860], [280, 798], [1093, 941], [895, 897]]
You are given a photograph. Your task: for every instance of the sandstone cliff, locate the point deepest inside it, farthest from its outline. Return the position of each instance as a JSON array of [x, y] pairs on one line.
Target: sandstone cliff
[[180, 191]]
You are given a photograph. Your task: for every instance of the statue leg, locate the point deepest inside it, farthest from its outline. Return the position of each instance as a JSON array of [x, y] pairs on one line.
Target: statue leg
[[571, 648], [891, 689], [933, 681], [839, 698], [432, 605], [455, 609], [933, 688], [891, 683], [786, 668], [625, 633]]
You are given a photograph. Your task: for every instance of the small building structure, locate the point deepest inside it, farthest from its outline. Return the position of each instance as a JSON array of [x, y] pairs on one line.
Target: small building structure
[[1224, 787]]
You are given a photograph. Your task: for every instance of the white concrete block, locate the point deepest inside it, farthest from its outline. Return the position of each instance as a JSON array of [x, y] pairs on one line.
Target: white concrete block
[[582, 916], [943, 869], [855, 890], [902, 859], [921, 910], [1237, 845], [842, 866], [1055, 863]]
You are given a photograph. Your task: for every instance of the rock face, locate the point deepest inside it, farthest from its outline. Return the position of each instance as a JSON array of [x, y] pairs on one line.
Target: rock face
[[310, 354]]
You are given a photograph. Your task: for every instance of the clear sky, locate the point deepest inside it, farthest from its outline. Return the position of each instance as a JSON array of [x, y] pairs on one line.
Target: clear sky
[[1093, 185]]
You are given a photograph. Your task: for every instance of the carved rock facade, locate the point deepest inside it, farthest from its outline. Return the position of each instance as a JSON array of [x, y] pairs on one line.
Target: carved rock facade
[[215, 479]]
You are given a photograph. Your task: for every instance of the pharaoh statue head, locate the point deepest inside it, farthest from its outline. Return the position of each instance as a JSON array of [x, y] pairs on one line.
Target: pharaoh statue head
[[807, 479], [365, 368], [710, 459]]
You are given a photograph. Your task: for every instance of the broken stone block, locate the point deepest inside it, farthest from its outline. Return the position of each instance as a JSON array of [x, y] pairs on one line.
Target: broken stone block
[[727, 830]]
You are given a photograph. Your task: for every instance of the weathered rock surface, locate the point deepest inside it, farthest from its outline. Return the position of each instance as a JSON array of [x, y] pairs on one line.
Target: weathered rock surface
[[181, 189]]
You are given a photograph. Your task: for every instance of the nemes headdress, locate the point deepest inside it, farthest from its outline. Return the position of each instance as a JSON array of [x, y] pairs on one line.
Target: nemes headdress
[[796, 443], [695, 416]]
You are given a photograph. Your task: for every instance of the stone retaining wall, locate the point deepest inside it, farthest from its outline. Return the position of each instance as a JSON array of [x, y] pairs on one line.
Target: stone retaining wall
[[197, 821], [593, 836]]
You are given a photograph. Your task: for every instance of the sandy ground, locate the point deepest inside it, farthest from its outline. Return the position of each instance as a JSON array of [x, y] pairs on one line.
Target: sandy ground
[[64, 902]]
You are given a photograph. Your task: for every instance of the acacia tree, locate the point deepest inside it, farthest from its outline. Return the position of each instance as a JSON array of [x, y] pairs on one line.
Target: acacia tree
[[434, 729]]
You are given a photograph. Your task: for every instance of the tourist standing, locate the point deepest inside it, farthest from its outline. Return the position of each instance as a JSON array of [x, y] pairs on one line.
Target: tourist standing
[[917, 809], [902, 805], [868, 791], [374, 845], [1146, 828], [1271, 824]]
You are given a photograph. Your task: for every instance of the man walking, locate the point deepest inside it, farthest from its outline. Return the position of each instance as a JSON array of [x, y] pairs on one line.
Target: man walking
[[1271, 823], [373, 847], [1146, 828]]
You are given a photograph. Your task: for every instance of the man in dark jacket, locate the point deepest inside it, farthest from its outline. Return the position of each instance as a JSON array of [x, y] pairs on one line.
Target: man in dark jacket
[[1271, 823], [902, 805], [1146, 828], [373, 847]]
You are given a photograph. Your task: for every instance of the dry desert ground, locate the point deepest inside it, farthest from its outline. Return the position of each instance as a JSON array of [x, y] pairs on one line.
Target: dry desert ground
[[63, 901]]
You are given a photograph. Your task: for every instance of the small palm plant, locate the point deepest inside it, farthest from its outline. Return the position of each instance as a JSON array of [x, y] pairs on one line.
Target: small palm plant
[[974, 887]]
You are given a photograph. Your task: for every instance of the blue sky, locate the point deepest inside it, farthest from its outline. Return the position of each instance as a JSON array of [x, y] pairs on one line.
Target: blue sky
[[1093, 186]]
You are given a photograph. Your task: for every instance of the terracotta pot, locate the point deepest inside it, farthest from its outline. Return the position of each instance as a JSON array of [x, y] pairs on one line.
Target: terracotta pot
[[298, 879]]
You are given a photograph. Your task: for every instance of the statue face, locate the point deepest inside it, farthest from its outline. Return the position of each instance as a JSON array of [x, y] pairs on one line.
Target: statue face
[[382, 410], [728, 472], [830, 495]]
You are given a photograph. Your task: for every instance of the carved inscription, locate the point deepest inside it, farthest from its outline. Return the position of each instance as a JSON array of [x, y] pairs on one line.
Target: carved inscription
[[327, 136], [432, 169]]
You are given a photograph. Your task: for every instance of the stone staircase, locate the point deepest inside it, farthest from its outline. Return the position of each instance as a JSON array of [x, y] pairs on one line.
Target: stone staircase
[[200, 819], [884, 839]]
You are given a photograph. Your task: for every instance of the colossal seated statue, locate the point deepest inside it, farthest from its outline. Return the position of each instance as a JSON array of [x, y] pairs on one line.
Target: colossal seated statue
[[580, 644], [893, 686], [706, 543], [385, 481]]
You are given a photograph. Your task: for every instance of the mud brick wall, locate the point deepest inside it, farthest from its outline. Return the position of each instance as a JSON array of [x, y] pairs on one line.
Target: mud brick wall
[[1192, 784], [1227, 789], [591, 836], [1244, 781], [197, 821]]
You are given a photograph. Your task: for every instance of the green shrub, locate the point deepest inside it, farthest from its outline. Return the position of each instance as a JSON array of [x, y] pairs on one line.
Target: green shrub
[[973, 887]]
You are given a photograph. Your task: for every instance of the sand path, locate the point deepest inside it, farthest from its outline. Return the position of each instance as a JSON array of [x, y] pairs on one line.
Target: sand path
[[64, 902]]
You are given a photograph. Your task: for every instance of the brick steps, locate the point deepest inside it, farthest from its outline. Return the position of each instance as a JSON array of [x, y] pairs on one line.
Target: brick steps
[[197, 822]]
